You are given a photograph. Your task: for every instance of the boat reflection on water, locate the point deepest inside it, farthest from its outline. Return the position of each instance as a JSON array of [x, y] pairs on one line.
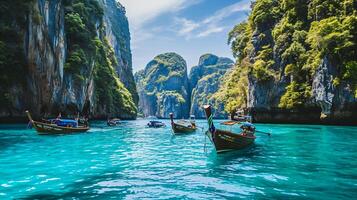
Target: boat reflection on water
[[215, 160]]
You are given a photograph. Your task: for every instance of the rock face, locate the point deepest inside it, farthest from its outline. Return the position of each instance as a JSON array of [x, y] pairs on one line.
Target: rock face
[[163, 87], [118, 35], [328, 104], [296, 69], [336, 103], [67, 54], [205, 80]]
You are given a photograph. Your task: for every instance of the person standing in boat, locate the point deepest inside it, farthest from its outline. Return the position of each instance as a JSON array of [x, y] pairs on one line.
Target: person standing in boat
[[58, 118], [78, 119]]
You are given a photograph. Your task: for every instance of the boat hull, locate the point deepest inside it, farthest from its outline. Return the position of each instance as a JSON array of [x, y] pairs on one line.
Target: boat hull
[[156, 126], [228, 141], [179, 129], [44, 128], [112, 124]]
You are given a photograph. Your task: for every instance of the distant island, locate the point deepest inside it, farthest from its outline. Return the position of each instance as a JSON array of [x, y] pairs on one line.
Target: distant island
[[165, 87]]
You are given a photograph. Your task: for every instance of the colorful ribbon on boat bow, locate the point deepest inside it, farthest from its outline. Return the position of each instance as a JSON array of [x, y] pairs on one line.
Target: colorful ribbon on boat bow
[[212, 129]]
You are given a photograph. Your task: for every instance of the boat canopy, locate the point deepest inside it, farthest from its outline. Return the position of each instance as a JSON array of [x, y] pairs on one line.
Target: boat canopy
[[192, 117], [183, 122], [230, 123], [248, 125], [65, 122]]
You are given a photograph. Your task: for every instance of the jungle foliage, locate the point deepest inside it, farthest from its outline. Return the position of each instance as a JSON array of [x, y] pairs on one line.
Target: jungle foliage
[[89, 53], [290, 38], [12, 59]]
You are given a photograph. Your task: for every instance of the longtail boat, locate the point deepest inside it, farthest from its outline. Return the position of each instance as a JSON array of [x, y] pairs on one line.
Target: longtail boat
[[155, 124], [60, 126], [113, 122], [227, 140], [182, 126]]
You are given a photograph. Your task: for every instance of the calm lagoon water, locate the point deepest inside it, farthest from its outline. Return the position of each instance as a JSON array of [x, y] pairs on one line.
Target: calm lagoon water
[[134, 162]]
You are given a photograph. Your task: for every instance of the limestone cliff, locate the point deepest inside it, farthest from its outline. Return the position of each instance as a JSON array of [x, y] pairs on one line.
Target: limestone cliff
[[117, 33], [163, 87], [205, 79], [296, 62], [70, 59]]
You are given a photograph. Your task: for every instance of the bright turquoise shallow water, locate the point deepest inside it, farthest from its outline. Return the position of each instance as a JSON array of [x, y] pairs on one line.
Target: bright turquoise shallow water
[[133, 162]]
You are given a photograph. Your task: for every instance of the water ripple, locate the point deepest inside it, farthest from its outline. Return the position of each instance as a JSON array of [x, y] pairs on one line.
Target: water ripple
[[133, 162]]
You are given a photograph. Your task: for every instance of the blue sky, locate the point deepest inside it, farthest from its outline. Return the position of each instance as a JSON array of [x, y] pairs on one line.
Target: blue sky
[[188, 27]]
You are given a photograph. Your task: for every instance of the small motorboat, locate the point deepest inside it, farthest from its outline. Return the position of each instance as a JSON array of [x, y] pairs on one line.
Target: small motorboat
[[182, 126], [155, 124], [113, 122], [58, 125], [228, 140]]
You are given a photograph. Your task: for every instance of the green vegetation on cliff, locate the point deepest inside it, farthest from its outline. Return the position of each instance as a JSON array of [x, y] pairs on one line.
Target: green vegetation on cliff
[[205, 79], [109, 89], [80, 19], [87, 51], [12, 59], [163, 87], [234, 89], [289, 39], [32, 52], [162, 68]]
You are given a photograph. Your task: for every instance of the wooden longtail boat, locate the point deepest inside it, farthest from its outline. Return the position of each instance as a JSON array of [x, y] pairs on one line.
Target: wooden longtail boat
[[182, 126], [227, 140], [51, 128]]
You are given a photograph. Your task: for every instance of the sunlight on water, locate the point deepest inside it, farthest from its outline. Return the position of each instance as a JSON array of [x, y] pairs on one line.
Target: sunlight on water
[[130, 161]]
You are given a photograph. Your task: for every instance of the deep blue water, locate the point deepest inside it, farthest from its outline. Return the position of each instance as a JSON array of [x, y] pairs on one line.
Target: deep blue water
[[134, 162]]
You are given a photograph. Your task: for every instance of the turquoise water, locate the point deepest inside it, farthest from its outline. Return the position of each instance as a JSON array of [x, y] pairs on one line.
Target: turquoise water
[[133, 162]]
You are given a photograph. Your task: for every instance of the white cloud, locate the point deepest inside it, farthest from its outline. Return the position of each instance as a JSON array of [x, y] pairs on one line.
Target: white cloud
[[210, 31], [210, 25], [140, 12], [146, 32], [228, 11], [187, 26]]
